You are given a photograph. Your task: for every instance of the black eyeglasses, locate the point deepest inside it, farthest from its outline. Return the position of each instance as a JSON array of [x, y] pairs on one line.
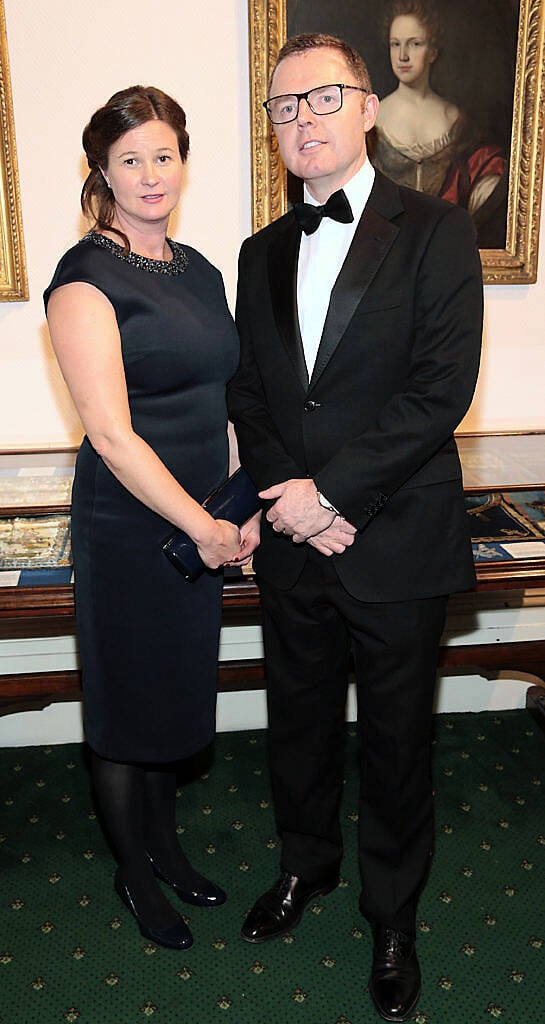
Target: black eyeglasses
[[325, 99]]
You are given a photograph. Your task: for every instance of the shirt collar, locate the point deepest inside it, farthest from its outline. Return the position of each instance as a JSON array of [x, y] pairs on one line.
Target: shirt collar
[[357, 190]]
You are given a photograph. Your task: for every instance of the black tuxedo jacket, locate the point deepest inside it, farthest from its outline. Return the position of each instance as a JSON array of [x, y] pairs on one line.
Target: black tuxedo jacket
[[394, 374]]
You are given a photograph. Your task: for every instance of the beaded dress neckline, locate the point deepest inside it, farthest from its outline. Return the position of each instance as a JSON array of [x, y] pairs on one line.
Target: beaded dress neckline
[[177, 265]]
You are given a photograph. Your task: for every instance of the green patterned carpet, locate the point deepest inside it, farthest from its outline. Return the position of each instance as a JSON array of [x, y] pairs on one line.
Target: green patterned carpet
[[70, 952]]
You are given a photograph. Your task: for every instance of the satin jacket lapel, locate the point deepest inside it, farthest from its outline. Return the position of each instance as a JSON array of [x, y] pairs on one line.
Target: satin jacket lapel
[[283, 255], [372, 241]]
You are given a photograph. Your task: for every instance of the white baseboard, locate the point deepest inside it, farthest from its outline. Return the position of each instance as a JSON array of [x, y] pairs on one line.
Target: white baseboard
[[472, 618]]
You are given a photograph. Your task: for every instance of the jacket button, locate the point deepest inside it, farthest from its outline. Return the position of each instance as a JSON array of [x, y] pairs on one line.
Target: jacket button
[[310, 405]]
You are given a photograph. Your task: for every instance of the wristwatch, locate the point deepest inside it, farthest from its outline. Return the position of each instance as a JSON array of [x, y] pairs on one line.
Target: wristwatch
[[326, 504]]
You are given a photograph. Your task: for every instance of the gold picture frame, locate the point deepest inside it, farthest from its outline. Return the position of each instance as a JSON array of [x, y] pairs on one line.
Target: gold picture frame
[[13, 276], [517, 262]]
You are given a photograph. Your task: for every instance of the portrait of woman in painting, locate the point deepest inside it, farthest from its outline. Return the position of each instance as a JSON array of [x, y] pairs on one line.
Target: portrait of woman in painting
[[424, 139]]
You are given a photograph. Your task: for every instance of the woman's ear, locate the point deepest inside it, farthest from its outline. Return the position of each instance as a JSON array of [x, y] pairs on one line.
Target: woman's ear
[[105, 176]]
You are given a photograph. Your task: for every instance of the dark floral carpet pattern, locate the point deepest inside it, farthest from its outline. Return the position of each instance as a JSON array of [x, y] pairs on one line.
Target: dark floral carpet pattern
[[70, 951]]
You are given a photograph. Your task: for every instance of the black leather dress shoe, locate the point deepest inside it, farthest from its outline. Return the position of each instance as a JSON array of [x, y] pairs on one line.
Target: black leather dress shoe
[[395, 976], [200, 893], [280, 909], [176, 937]]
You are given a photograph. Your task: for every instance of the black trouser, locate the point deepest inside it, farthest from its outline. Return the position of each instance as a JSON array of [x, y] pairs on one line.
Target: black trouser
[[308, 633]]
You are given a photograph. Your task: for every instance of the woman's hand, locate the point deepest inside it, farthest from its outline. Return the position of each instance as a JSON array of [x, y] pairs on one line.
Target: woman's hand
[[249, 540], [221, 545]]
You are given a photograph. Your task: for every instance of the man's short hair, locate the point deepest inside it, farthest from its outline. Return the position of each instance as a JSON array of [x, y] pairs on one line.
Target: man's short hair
[[319, 40]]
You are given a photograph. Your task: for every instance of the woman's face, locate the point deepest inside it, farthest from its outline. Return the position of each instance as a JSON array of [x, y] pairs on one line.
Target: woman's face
[[410, 52], [145, 173]]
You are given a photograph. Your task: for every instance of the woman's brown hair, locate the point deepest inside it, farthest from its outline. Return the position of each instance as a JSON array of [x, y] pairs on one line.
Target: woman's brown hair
[[424, 12]]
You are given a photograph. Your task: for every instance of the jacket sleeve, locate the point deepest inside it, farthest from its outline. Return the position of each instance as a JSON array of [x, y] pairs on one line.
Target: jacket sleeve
[[261, 450], [418, 421]]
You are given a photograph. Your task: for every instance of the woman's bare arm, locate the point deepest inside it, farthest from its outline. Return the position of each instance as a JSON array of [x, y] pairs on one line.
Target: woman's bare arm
[[86, 340]]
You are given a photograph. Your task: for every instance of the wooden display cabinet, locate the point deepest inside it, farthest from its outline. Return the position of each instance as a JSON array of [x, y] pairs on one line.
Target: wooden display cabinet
[[504, 483]]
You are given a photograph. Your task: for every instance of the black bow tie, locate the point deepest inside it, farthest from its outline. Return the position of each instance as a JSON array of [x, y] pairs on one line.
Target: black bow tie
[[309, 217]]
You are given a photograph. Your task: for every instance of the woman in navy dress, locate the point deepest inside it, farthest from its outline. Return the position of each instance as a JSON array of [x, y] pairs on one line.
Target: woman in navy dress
[[146, 343]]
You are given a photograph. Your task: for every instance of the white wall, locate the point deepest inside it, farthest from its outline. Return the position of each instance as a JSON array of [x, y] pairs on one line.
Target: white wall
[[509, 392], [67, 57]]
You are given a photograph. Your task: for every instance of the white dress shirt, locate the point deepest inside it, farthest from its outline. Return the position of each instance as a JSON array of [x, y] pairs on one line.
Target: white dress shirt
[[321, 256]]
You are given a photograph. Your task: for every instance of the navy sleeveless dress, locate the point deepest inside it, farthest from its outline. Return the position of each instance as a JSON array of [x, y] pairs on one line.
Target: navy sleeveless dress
[[148, 639]]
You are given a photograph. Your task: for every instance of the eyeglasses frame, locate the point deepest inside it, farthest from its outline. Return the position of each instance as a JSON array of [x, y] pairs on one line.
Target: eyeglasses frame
[[305, 96]]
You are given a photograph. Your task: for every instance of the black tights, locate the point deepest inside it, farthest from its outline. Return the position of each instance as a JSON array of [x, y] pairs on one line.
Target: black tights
[[137, 804]]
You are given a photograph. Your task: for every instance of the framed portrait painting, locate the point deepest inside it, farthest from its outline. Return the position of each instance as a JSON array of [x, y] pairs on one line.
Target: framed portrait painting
[[13, 278], [486, 73]]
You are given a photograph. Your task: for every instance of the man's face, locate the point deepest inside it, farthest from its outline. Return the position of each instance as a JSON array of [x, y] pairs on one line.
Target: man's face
[[325, 150]]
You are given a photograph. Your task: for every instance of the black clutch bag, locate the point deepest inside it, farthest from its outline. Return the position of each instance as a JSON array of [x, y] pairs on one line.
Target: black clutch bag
[[236, 501]]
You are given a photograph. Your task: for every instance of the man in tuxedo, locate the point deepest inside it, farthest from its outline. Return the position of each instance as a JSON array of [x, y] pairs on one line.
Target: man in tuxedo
[[360, 329]]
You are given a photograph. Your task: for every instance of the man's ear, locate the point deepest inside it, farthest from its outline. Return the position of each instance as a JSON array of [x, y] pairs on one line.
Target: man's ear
[[370, 111]]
